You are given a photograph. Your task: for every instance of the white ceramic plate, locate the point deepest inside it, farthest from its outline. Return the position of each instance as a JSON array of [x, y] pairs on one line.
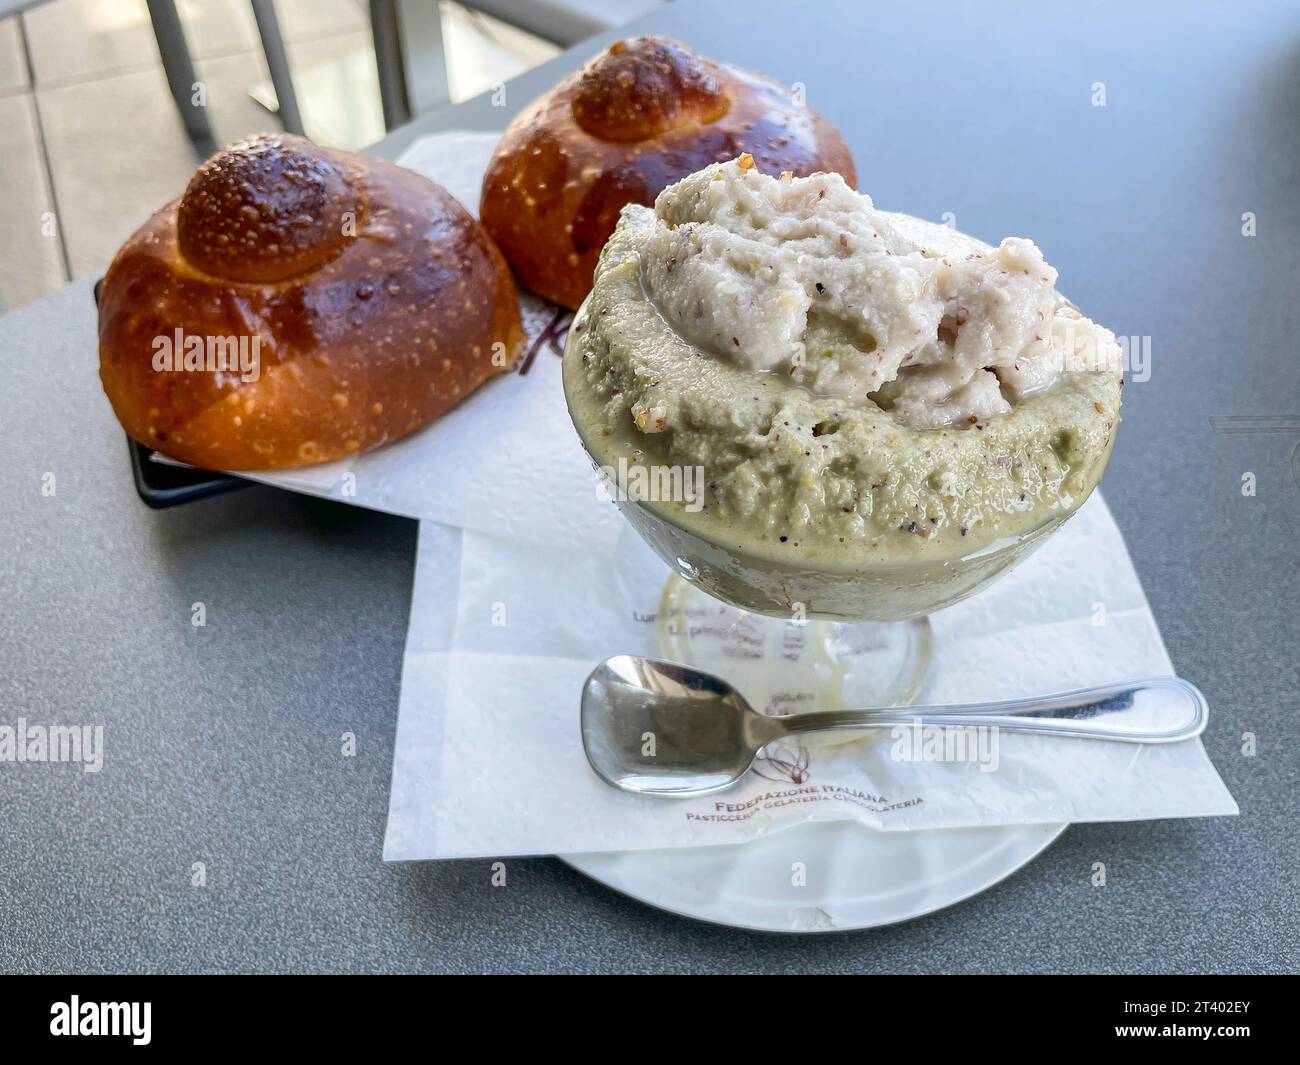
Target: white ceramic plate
[[854, 876]]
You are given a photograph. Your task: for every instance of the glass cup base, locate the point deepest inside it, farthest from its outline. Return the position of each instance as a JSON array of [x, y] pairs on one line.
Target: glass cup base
[[789, 666]]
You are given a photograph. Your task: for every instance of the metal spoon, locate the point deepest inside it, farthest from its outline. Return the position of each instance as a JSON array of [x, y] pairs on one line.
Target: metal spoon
[[659, 728]]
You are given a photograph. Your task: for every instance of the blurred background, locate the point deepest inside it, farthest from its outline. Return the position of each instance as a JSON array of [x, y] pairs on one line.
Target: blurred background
[[107, 106]]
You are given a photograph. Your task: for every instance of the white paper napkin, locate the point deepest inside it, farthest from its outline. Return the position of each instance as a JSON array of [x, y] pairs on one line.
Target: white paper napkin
[[488, 758]]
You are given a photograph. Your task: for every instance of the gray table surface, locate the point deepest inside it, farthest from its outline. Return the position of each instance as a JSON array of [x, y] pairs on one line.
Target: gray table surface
[[222, 742]]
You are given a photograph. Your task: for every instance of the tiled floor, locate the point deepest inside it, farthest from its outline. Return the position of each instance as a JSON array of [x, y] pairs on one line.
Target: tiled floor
[[91, 142]]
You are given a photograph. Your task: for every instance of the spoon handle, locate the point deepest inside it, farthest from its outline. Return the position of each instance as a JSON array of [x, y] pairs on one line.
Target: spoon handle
[[1160, 710]]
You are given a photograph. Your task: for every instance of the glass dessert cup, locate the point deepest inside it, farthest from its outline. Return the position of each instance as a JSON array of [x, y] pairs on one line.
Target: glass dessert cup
[[796, 635], [800, 638]]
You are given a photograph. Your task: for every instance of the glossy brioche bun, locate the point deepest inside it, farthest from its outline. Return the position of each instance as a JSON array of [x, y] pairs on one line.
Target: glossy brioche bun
[[374, 300], [638, 117]]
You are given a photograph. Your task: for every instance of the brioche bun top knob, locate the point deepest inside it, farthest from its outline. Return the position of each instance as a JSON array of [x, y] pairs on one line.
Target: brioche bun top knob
[[644, 87], [268, 209]]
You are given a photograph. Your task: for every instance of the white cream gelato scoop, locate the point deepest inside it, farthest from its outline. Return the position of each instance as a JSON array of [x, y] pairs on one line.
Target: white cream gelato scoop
[[803, 276]]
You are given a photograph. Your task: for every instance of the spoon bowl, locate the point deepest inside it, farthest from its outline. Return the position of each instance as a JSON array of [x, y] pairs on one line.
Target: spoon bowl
[[661, 728]]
